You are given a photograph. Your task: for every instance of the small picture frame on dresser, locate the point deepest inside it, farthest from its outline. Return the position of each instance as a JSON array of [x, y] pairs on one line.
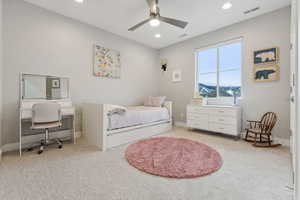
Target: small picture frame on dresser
[[197, 101]]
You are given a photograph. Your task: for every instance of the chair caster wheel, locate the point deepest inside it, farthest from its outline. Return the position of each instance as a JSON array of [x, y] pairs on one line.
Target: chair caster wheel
[[40, 151], [60, 146], [29, 149]]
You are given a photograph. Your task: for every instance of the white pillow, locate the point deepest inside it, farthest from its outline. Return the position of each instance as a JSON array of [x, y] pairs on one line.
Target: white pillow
[[148, 102], [155, 101]]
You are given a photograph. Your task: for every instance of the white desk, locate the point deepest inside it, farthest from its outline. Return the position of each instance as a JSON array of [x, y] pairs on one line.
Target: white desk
[[67, 109]]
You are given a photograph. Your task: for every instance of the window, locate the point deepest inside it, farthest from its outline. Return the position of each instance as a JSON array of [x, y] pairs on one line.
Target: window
[[219, 70]]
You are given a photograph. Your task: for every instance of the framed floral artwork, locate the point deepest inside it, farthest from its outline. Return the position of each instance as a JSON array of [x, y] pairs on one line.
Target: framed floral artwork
[[107, 62]]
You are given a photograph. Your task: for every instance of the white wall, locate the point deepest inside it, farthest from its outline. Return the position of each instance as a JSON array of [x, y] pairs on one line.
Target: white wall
[[39, 41], [265, 31]]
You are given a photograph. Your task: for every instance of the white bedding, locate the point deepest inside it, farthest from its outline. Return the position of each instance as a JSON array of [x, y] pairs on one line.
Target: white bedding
[[138, 115]]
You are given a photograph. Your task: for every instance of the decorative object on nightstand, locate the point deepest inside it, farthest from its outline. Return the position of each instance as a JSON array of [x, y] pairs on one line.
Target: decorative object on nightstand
[[197, 99], [235, 96], [262, 131]]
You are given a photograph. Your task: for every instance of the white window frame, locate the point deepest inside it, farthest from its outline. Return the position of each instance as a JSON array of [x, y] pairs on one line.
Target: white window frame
[[219, 44]]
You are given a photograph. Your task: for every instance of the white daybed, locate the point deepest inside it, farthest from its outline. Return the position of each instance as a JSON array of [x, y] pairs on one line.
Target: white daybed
[[97, 130]]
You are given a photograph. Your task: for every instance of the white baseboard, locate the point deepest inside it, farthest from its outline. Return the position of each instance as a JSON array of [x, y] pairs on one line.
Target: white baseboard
[[282, 141], [29, 140]]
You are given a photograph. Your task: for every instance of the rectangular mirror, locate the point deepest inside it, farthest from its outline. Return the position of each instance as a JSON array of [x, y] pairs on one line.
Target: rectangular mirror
[[44, 87]]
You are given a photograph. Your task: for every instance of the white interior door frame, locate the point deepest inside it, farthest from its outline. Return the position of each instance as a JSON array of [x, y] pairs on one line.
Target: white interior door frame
[[297, 102], [293, 85]]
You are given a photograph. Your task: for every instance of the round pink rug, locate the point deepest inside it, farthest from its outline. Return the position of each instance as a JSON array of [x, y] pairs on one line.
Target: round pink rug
[[173, 157]]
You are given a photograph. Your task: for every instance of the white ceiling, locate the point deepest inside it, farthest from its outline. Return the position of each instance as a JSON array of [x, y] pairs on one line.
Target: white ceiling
[[117, 16]]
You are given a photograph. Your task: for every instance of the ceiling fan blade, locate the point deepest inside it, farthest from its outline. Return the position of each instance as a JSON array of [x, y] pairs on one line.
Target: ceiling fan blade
[[139, 25], [174, 22]]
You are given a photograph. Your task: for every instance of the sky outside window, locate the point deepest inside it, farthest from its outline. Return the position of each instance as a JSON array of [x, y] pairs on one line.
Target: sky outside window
[[223, 62]]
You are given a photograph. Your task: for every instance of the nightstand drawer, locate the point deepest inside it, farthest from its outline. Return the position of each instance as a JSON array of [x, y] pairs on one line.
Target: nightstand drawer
[[197, 116], [222, 119], [223, 128], [224, 112], [197, 125], [197, 110], [197, 120]]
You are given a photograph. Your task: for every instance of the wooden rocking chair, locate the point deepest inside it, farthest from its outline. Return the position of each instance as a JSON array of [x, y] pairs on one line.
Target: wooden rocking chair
[[262, 131]]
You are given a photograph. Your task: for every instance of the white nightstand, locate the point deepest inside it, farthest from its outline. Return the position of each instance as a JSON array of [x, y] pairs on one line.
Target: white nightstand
[[219, 119]]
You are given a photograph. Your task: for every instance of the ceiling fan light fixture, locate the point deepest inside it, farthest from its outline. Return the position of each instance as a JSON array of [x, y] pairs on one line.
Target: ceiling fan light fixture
[[154, 22], [157, 35], [79, 1], [227, 6]]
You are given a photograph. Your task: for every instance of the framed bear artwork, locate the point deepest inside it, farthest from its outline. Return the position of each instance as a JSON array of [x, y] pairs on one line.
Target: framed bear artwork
[[266, 73], [266, 56]]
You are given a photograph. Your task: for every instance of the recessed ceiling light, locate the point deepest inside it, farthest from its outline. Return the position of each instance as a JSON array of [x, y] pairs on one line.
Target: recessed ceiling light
[[79, 1], [227, 6], [157, 35], [154, 22]]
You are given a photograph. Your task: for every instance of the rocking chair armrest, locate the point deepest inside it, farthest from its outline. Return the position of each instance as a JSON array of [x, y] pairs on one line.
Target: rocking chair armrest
[[253, 121]]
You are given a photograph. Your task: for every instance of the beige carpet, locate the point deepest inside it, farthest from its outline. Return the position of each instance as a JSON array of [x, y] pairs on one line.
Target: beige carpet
[[80, 172]]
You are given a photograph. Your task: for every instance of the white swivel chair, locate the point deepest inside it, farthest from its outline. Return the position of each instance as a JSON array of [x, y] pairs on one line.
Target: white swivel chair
[[46, 116]]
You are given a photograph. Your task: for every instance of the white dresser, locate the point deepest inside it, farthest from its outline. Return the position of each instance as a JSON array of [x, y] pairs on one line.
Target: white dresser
[[219, 119]]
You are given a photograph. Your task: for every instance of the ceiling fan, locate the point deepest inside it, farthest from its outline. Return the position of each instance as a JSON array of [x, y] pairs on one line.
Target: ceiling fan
[[155, 18]]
